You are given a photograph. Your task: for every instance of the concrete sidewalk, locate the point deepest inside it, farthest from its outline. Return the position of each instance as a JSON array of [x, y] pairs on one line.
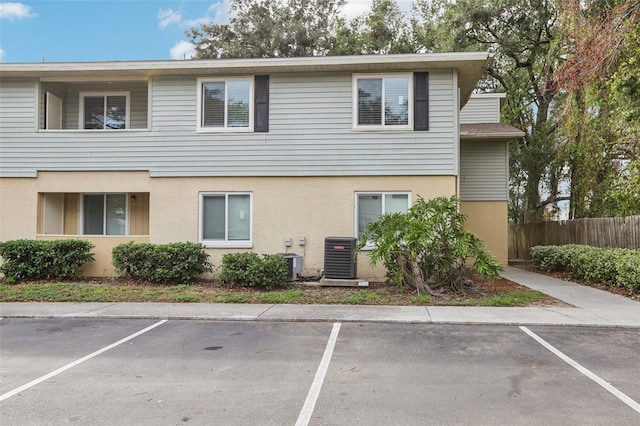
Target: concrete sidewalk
[[591, 307]]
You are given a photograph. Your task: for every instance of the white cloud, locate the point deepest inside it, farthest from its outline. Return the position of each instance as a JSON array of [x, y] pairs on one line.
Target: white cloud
[[168, 17], [14, 11], [2, 54], [182, 50], [353, 8], [217, 13]]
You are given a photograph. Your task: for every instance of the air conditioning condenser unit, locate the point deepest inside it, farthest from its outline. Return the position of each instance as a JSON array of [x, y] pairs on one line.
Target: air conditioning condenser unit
[[339, 259]]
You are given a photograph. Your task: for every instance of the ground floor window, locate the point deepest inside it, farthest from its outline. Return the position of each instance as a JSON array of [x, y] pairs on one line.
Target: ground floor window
[[371, 205], [104, 214], [101, 214], [226, 219]]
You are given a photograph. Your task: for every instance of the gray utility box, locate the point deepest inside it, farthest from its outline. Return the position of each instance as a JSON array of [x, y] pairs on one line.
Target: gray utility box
[[294, 264], [339, 259]]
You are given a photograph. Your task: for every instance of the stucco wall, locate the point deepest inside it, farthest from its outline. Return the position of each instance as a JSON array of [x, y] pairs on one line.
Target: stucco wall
[[488, 220], [313, 207], [102, 266]]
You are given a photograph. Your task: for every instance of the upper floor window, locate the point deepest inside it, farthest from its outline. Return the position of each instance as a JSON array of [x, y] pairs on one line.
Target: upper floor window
[[225, 104], [104, 111], [382, 101]]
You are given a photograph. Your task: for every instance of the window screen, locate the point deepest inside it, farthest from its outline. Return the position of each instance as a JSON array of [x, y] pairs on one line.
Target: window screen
[[226, 104], [105, 214], [370, 101], [226, 217], [396, 101], [105, 112], [383, 101], [371, 206]]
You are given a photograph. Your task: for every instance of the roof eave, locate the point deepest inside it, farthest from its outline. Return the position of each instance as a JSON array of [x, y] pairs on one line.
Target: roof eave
[[492, 136], [470, 67]]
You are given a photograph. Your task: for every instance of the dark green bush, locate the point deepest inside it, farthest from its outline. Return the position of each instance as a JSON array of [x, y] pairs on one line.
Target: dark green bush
[[252, 270], [628, 270], [611, 267], [161, 263], [556, 258], [595, 265], [36, 259], [547, 258]]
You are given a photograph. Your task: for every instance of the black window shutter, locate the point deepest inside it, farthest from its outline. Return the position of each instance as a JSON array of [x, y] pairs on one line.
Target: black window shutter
[[421, 101], [261, 116]]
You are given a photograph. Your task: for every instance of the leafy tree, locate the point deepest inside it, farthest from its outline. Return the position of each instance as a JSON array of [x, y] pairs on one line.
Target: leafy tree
[[521, 34], [269, 28], [426, 248], [600, 110], [383, 30]]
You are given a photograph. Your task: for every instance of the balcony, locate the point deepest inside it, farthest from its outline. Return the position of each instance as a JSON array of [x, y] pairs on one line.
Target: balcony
[[94, 105]]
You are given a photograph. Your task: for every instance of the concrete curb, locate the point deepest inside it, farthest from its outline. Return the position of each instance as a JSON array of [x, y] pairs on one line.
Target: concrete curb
[[591, 307]]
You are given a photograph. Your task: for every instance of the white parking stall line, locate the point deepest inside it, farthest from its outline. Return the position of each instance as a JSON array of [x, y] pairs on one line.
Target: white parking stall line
[[76, 362], [314, 391], [608, 386]]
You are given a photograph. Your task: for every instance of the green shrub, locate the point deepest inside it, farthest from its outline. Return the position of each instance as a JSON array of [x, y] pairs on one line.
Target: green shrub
[[595, 265], [556, 258], [611, 267], [628, 270], [548, 258], [161, 263], [235, 268], [36, 259], [426, 249], [252, 270]]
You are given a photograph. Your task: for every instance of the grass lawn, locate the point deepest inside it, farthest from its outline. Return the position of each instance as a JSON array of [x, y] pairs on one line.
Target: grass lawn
[[484, 293]]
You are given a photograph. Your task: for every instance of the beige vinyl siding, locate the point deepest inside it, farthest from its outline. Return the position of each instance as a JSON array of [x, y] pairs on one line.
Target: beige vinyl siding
[[481, 109], [483, 171], [310, 134]]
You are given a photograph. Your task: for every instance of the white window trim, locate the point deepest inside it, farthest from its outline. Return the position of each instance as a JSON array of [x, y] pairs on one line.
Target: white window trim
[[226, 243], [104, 216], [127, 121], [370, 245], [203, 129], [382, 126]]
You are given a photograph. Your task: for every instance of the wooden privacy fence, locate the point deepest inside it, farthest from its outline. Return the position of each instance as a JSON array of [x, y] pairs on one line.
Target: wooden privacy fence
[[620, 232]]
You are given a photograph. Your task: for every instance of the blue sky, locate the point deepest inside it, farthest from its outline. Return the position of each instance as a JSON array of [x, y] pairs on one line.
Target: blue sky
[[108, 30]]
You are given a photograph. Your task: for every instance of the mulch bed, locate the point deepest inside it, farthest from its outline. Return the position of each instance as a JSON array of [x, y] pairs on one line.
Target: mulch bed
[[378, 293]]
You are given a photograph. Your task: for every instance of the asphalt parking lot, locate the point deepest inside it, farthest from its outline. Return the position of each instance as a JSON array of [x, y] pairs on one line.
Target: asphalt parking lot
[[150, 372]]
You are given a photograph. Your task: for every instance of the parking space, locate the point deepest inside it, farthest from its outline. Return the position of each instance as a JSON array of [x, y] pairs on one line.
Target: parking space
[[483, 375], [261, 373], [612, 354]]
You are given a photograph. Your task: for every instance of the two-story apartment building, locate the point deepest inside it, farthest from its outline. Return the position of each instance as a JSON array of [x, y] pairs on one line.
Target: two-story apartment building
[[269, 155]]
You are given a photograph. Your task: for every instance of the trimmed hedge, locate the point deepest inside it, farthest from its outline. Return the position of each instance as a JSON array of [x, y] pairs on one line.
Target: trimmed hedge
[[161, 263], [252, 270], [611, 267], [38, 259]]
